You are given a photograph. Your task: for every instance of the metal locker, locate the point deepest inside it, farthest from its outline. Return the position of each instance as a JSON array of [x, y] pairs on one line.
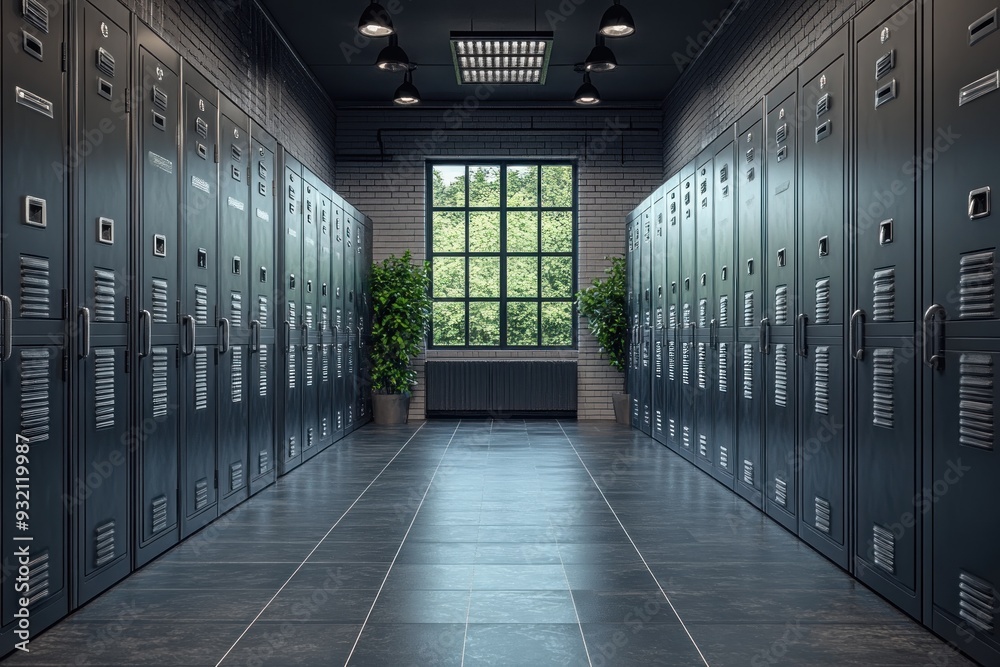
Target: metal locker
[[199, 306], [365, 321], [156, 118], [703, 288], [310, 315], [351, 322], [359, 318], [686, 333], [659, 276], [262, 308], [779, 298], [887, 445], [822, 264], [961, 333], [235, 311], [646, 316], [634, 315], [339, 318], [291, 295], [724, 281], [326, 347], [749, 356], [98, 501], [672, 385]]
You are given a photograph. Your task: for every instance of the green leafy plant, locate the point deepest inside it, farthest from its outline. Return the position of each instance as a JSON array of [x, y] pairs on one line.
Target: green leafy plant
[[604, 305], [401, 314]]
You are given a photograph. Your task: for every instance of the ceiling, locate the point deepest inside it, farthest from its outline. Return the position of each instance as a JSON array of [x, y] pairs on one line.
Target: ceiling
[[325, 36]]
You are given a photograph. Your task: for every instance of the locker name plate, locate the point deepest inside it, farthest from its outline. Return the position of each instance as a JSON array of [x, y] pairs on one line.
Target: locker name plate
[[160, 162], [979, 88], [201, 184], [237, 204], [33, 102]]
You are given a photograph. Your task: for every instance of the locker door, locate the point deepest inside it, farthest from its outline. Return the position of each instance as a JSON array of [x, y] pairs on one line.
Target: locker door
[[704, 302], [673, 333], [364, 322], [965, 460], [339, 318], [235, 167], [310, 314], [724, 278], [292, 338], [263, 383], [157, 118], [326, 344], [635, 316], [779, 296], [659, 275], [359, 309], [687, 344], [822, 265], [646, 317], [749, 269], [99, 487], [351, 316], [887, 453]]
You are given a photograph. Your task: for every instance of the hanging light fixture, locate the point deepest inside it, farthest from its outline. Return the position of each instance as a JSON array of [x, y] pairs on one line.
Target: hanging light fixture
[[407, 93], [392, 58], [601, 59], [587, 94], [617, 21], [375, 21]]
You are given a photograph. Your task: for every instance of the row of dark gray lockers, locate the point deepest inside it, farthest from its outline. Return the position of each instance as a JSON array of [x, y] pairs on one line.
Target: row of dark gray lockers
[[184, 306], [814, 310]]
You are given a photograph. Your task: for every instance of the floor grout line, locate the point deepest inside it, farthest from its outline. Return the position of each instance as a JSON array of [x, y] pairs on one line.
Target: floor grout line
[[634, 545], [356, 500], [357, 640], [472, 584]]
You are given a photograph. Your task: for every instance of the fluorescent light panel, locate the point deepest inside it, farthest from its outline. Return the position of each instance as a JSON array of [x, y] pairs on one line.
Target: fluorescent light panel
[[501, 58]]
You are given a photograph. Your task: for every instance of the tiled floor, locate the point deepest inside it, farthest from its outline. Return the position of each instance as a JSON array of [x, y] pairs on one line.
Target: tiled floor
[[491, 543]]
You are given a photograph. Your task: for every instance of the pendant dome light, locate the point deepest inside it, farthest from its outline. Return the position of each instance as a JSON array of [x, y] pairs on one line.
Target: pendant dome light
[[601, 58], [392, 58], [407, 93], [587, 94], [375, 21], [617, 21]]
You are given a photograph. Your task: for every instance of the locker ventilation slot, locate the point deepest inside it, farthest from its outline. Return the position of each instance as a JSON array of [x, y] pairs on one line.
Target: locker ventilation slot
[[201, 494], [748, 309], [822, 379], [702, 366], [824, 515], [781, 375], [309, 316], [35, 407], [976, 401], [672, 361], [977, 285], [262, 315], [686, 364], [824, 131], [883, 388], [823, 106], [262, 389], [977, 602], [884, 293], [686, 317], [983, 27], [292, 448], [781, 305], [160, 392], [236, 476], [200, 378], [724, 173], [34, 287], [159, 300], [703, 313], [885, 64], [657, 421], [748, 472], [780, 492], [291, 370], [104, 389], [159, 514], [309, 360], [885, 549], [202, 128], [159, 98], [724, 457], [823, 301], [38, 578], [324, 361], [703, 446], [671, 430], [36, 14], [781, 134], [340, 361], [263, 460], [750, 156], [237, 374], [723, 368], [201, 305], [748, 372], [672, 317], [104, 295], [236, 309], [686, 439], [724, 311], [105, 62], [104, 543], [658, 360]]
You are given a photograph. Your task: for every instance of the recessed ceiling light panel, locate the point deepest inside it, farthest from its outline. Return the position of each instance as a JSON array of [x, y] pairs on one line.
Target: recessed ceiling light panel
[[501, 58]]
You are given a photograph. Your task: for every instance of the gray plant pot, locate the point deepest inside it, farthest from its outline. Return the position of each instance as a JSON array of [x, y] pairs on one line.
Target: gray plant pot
[[390, 408], [622, 415]]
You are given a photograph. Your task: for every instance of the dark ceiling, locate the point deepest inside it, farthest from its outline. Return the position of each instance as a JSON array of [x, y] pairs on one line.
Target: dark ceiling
[[325, 35]]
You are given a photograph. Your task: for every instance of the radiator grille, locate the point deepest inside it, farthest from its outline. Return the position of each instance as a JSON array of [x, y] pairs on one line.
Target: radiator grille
[[159, 296], [723, 368], [781, 305], [159, 385], [976, 401], [884, 286], [824, 515], [502, 387], [884, 546], [104, 543], [34, 287], [977, 602], [823, 301], [748, 372], [35, 399], [104, 295], [977, 285], [883, 388], [822, 380], [104, 389], [748, 309]]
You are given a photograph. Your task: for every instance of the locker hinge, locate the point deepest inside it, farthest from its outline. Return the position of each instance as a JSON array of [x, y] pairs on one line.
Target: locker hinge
[[128, 362], [216, 153], [216, 479], [65, 57], [128, 101], [65, 304], [65, 365], [128, 309]]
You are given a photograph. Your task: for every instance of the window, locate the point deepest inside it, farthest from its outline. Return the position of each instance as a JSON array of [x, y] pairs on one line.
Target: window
[[502, 240]]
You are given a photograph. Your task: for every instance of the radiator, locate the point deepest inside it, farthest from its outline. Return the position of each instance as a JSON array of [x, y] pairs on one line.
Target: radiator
[[501, 388]]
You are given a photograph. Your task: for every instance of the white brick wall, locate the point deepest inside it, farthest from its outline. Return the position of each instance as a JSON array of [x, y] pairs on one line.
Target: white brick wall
[[619, 153]]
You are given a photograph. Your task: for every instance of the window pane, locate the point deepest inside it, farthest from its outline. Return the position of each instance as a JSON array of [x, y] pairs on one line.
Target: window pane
[[522, 231], [449, 186], [449, 231], [484, 277], [484, 187], [557, 231], [557, 186], [522, 277], [522, 323], [484, 323], [484, 231], [557, 277], [557, 324], [522, 187], [449, 277], [448, 323]]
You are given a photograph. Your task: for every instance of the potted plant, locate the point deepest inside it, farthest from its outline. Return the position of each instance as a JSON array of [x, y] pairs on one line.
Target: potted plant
[[401, 310], [605, 307]]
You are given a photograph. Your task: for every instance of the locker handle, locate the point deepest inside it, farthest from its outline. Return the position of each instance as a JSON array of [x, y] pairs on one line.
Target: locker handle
[[765, 336], [8, 328], [146, 319], [713, 334], [226, 332], [932, 336], [192, 334], [254, 336], [85, 333], [305, 335], [802, 322], [857, 335]]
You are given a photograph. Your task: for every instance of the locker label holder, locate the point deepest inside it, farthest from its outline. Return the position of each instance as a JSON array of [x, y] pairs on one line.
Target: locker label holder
[[885, 94], [983, 27], [34, 102], [979, 88]]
